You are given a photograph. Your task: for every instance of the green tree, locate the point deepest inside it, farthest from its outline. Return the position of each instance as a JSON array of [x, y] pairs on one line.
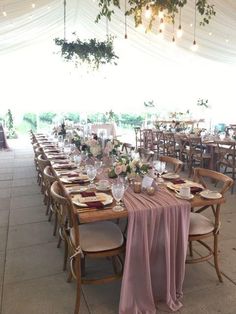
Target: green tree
[[10, 124], [31, 119]]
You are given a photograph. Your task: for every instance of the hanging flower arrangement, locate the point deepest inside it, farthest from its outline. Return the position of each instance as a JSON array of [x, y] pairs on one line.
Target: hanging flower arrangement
[[92, 51]]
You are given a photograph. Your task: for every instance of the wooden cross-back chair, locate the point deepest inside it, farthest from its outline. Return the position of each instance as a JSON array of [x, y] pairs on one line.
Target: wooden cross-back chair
[[102, 239], [201, 226], [175, 163]]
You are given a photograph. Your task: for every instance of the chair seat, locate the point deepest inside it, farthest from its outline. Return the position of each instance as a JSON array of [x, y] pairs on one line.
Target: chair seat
[[200, 224], [99, 236]]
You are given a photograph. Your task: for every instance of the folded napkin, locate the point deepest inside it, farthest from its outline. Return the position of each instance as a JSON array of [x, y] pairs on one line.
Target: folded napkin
[[64, 166], [195, 189], [95, 204], [74, 175], [59, 157], [177, 181], [79, 181], [87, 194]]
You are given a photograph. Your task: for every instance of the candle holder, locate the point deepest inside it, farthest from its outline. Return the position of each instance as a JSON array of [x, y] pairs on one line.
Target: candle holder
[[137, 187]]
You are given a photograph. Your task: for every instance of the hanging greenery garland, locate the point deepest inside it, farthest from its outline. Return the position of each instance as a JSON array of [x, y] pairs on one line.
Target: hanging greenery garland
[[168, 7], [91, 51]]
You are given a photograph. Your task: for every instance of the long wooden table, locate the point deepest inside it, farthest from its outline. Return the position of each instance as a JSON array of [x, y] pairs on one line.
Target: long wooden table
[[152, 214]]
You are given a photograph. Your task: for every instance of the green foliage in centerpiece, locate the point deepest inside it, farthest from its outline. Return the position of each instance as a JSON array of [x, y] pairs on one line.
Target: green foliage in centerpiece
[[127, 166], [93, 52]]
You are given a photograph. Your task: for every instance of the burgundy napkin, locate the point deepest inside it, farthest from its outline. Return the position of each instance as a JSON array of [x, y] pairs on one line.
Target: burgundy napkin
[[60, 157], [64, 166], [73, 175], [177, 181], [78, 181], [95, 204], [195, 189], [87, 194]]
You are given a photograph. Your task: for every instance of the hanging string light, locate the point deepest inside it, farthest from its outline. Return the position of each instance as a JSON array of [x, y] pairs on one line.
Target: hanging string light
[[180, 31], [64, 19], [194, 45], [173, 31], [126, 34], [148, 12]]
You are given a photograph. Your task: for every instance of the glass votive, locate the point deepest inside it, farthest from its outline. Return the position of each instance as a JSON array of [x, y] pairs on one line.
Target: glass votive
[[150, 190], [137, 187]]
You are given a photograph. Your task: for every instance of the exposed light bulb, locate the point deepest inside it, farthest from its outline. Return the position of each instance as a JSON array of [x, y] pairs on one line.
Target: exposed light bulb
[[33, 5], [160, 34], [148, 12], [210, 33], [161, 14], [162, 25], [4, 13], [191, 25], [179, 32], [227, 40], [194, 46], [141, 28]]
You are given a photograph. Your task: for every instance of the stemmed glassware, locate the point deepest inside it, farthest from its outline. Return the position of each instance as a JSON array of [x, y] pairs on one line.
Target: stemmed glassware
[[77, 160], [118, 190], [160, 167], [98, 166], [91, 173], [60, 142]]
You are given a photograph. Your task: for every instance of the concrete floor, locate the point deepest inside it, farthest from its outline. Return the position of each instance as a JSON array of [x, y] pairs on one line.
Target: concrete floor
[[31, 276]]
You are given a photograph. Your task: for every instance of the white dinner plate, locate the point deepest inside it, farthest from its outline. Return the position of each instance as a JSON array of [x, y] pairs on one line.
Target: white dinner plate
[[184, 197], [66, 179], [176, 187], [108, 199], [170, 175], [99, 188], [210, 194]]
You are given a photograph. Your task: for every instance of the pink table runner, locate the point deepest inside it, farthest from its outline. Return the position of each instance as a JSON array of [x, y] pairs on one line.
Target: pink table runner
[[156, 248]]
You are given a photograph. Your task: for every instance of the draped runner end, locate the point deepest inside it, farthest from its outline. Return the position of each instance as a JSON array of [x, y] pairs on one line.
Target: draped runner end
[[156, 249]]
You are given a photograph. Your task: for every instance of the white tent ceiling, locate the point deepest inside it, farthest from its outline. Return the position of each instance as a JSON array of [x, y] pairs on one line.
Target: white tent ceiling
[[149, 68], [24, 25]]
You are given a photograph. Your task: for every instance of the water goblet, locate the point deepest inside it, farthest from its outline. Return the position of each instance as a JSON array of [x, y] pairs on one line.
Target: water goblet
[[98, 166], [91, 173], [118, 190], [77, 160]]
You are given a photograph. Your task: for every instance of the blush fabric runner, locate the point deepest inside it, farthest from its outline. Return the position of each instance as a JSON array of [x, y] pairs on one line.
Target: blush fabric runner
[[157, 241]]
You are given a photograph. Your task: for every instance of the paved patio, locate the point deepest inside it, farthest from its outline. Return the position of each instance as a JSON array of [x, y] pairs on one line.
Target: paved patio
[[31, 276]]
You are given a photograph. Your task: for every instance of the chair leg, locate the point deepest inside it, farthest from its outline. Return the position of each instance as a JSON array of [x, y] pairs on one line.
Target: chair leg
[[65, 256], [55, 225], [190, 245], [216, 262]]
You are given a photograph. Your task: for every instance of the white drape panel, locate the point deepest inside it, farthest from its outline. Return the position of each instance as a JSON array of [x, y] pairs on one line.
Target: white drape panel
[[149, 68]]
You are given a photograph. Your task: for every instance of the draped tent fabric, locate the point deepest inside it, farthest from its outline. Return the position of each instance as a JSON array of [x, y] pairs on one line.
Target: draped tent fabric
[[149, 68], [24, 26]]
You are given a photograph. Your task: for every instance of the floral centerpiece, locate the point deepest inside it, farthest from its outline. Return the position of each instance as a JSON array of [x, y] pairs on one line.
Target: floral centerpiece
[[126, 166], [112, 148], [92, 147]]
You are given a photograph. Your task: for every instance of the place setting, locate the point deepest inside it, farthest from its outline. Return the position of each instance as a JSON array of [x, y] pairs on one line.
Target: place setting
[[89, 200]]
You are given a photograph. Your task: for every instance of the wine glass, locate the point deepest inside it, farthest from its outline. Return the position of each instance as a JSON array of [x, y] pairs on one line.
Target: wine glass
[[91, 173], [60, 142], [118, 190], [77, 160], [98, 166], [124, 181]]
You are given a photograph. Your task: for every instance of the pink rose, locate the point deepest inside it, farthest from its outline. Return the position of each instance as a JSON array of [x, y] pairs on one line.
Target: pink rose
[[118, 169]]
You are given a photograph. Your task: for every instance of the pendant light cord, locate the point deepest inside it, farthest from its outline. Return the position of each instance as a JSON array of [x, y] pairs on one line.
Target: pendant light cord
[[64, 19], [195, 21]]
